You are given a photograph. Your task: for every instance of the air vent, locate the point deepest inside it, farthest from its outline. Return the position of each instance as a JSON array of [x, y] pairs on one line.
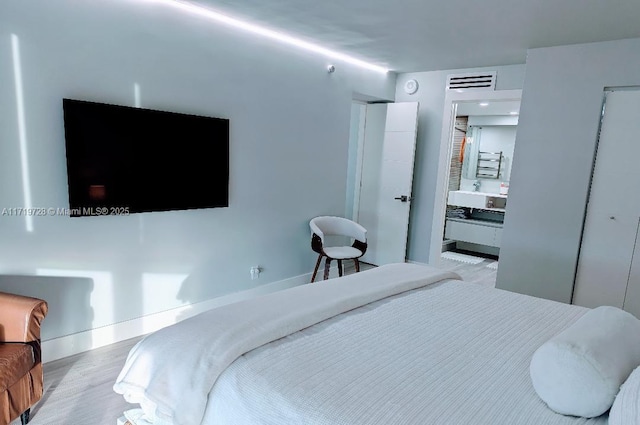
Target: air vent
[[475, 81]]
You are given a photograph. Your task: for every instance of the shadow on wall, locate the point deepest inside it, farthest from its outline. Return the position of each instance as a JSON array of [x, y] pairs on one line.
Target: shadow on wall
[[227, 273], [212, 279], [68, 298]]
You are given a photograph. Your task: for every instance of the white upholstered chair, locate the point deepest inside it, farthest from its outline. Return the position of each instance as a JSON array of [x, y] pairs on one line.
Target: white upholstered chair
[[324, 226]]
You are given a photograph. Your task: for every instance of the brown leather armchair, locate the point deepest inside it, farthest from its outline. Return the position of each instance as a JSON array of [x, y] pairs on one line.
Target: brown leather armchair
[[21, 377]]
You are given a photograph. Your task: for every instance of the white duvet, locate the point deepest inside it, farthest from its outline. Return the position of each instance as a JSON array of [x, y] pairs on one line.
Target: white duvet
[[448, 353], [171, 372], [452, 353]]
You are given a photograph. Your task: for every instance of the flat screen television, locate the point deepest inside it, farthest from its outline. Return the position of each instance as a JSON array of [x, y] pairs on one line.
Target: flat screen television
[[124, 160]]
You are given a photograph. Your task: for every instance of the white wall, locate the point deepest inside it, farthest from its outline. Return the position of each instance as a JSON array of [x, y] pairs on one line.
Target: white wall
[[289, 125], [559, 117], [431, 94]]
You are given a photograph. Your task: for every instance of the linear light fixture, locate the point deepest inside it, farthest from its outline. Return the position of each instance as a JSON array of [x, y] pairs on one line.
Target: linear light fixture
[[268, 33]]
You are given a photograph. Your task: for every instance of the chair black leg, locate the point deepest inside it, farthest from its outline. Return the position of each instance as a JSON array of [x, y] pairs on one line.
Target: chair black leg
[[327, 266], [315, 271], [25, 417], [340, 268], [357, 264]]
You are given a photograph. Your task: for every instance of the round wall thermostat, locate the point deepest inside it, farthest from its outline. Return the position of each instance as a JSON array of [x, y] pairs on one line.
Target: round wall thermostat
[[411, 86]]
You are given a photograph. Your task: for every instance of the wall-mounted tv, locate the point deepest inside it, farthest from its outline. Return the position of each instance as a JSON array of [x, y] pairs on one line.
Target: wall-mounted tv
[[123, 160]]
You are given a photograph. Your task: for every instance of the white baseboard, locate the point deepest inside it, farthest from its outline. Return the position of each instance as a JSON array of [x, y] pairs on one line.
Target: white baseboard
[[69, 345], [333, 271]]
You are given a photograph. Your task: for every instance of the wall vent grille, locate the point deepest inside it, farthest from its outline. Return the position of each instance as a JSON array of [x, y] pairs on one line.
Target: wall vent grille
[[474, 81]]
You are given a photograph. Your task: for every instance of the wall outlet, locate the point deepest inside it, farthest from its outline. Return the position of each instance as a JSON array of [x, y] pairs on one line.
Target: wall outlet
[[255, 272]]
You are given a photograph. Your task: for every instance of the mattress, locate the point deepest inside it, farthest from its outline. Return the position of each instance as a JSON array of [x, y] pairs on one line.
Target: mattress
[[449, 353]]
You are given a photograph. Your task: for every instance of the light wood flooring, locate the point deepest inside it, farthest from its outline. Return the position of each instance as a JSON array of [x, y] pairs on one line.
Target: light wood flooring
[[78, 389]]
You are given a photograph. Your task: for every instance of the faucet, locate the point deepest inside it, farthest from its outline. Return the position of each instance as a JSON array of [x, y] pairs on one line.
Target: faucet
[[476, 185]]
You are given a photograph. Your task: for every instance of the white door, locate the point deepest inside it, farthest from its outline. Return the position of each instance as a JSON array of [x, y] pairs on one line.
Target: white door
[[387, 177], [606, 274]]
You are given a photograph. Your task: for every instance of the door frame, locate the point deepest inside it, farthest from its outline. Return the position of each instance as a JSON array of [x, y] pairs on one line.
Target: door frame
[[361, 146], [451, 100]]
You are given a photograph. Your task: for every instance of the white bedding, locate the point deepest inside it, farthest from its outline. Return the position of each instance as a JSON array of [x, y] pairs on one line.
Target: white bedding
[[450, 353], [446, 353], [171, 372]]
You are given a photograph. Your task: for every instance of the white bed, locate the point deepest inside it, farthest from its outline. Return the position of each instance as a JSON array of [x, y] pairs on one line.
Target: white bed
[[398, 344]]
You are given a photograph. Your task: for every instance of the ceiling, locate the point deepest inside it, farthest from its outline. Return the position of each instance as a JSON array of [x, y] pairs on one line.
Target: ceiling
[[427, 35], [496, 107]]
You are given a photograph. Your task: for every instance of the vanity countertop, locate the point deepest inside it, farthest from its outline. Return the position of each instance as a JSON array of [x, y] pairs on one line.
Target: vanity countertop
[[492, 195], [482, 200], [489, 223]]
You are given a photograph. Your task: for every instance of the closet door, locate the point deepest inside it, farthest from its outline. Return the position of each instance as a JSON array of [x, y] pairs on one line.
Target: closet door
[[605, 266], [632, 297]]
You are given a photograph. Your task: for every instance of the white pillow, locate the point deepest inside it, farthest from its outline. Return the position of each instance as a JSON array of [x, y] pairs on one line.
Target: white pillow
[[579, 371], [626, 407]]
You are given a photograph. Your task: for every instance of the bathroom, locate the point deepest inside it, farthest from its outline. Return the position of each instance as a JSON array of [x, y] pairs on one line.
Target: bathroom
[[482, 145]]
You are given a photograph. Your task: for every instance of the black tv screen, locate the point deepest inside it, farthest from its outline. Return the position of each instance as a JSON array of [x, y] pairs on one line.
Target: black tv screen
[[123, 160]]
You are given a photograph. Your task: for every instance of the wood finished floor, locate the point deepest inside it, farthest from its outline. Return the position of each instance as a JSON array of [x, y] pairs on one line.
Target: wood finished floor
[[78, 389]]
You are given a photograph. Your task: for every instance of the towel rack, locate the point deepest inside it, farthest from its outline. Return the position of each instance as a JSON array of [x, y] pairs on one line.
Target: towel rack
[[489, 165]]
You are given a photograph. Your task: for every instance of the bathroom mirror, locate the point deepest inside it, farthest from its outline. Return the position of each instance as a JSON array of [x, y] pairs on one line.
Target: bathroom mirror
[[488, 145], [488, 152]]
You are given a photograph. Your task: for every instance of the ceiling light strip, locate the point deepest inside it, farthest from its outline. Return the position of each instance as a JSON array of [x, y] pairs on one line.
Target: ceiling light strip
[[267, 33]]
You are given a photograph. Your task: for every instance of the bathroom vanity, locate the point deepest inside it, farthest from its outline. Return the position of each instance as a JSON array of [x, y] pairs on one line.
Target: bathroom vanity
[[477, 226]]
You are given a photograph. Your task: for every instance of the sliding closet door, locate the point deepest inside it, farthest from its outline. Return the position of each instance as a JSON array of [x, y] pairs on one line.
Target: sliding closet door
[[607, 273], [632, 297]]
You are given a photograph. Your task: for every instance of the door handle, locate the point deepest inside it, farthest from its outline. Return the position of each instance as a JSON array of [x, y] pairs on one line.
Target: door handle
[[403, 198]]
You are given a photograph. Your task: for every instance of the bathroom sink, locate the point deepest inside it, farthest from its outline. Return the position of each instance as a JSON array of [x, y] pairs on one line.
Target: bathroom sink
[[470, 199], [470, 192]]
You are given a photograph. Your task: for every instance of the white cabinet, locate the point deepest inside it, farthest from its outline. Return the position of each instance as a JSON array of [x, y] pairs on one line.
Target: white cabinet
[[474, 231], [498, 236]]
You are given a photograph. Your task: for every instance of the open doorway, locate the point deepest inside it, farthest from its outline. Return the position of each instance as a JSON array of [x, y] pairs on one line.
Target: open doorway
[[478, 142]]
